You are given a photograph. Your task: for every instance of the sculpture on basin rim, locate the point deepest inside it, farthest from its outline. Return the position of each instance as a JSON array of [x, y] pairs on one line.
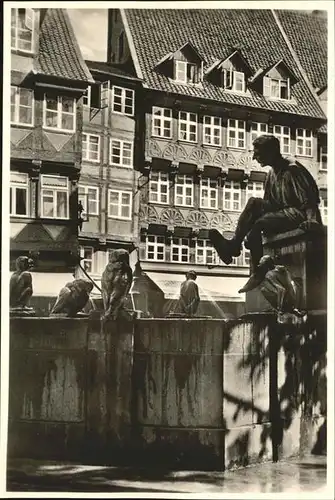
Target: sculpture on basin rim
[[189, 295], [277, 286], [291, 200], [116, 281], [21, 285], [72, 298]]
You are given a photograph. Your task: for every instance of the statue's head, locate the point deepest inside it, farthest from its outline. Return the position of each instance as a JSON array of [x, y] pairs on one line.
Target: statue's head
[[119, 255], [24, 263], [191, 275], [266, 150], [266, 262], [81, 284]]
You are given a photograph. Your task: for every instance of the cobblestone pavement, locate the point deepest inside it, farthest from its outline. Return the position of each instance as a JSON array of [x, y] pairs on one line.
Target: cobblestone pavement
[[306, 475]]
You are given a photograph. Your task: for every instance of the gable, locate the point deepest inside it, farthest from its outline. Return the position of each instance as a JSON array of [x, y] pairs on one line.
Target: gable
[[281, 71]]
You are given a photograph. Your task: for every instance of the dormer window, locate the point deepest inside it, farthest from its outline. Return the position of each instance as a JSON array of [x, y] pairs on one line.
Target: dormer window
[[22, 29], [233, 80], [186, 72], [276, 88]]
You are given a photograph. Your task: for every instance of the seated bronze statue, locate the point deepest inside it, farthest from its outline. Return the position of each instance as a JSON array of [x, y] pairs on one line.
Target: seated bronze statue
[[72, 298], [189, 296], [116, 281], [291, 200], [21, 284]]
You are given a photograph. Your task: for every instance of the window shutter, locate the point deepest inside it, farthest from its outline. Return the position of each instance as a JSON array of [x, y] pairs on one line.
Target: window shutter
[[95, 96], [266, 86], [288, 89], [29, 19]]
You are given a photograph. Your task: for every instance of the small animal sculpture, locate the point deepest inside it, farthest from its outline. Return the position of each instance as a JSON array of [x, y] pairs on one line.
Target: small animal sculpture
[[277, 286], [189, 295], [72, 298], [21, 283], [116, 281]]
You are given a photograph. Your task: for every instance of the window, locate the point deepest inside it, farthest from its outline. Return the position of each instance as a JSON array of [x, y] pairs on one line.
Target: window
[[104, 94], [155, 248], [283, 134], [21, 106], [119, 205], [88, 259], [89, 197], [304, 140], [159, 187], [123, 101], [55, 197], [87, 97], [205, 253], [254, 189], [161, 122], [59, 113], [19, 194], [187, 126], [236, 133], [233, 80], [256, 130], [276, 88], [232, 195], [184, 190], [243, 259], [91, 147], [324, 207], [22, 29], [212, 130], [323, 157], [180, 250], [208, 193], [186, 72], [121, 153]]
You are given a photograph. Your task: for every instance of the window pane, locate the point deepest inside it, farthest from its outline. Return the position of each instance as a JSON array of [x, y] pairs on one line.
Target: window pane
[[67, 122], [61, 204], [47, 203], [21, 202]]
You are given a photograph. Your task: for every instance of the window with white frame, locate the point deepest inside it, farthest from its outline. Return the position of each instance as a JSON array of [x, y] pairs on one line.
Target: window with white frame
[[155, 247], [91, 147], [88, 259], [59, 113], [324, 207], [254, 189], [54, 197], [22, 29], [186, 72], [243, 259], [159, 187], [205, 253], [161, 122], [121, 153], [21, 106], [233, 80], [184, 190], [212, 130], [304, 140], [89, 198], [122, 100], [283, 135], [180, 248], [119, 204], [276, 88], [104, 94], [323, 157], [19, 194], [87, 97], [208, 193], [257, 129], [236, 133], [232, 195], [188, 126]]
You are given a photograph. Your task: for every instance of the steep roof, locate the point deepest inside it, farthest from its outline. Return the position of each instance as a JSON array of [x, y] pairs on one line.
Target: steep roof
[[255, 33], [307, 33], [59, 53]]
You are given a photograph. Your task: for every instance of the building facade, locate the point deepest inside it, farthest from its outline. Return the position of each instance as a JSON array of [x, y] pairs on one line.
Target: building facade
[[109, 177], [212, 82], [48, 79]]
